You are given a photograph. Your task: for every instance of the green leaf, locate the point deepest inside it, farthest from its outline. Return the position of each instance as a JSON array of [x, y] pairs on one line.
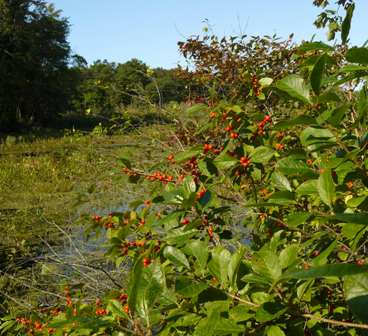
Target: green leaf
[[308, 46], [145, 287], [240, 313], [207, 167], [357, 55], [314, 135], [266, 263], [292, 165], [288, 256], [219, 263], [234, 265], [275, 331], [331, 270], [326, 187], [300, 120], [116, 308], [269, 311], [317, 74], [356, 293], [346, 24], [189, 288], [356, 218], [309, 187], [225, 161], [189, 153], [282, 198], [199, 250], [215, 325], [177, 257], [295, 87], [298, 218], [280, 181], [180, 235], [262, 154], [188, 320], [265, 82]]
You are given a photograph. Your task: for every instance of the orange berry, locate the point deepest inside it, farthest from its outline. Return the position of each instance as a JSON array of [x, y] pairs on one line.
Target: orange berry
[[126, 309], [360, 262], [210, 231], [38, 325], [279, 146], [213, 115], [350, 185], [234, 135], [170, 157]]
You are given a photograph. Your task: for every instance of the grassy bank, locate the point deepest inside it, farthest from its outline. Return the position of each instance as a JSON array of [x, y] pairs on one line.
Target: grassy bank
[[45, 187]]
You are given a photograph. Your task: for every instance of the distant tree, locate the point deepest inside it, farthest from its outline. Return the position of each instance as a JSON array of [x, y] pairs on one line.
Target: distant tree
[[166, 85], [95, 88], [131, 78], [34, 57]]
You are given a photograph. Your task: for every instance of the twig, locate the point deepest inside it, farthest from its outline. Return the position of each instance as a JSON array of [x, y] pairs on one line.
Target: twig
[[337, 323], [248, 303]]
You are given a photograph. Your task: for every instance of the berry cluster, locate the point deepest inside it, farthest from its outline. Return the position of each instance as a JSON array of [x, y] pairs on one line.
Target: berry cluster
[[159, 176], [245, 161], [279, 146], [210, 148], [262, 124], [133, 244], [255, 86]]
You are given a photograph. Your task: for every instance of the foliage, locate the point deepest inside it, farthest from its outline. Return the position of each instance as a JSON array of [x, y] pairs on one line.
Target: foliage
[[333, 20], [226, 67], [34, 56], [106, 89], [259, 226]]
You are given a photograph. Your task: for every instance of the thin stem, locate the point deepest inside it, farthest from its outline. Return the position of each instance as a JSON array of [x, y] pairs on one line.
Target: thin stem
[[248, 303], [337, 323]]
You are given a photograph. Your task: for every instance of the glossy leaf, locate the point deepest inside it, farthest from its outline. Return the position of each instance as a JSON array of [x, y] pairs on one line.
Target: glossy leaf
[[295, 87]]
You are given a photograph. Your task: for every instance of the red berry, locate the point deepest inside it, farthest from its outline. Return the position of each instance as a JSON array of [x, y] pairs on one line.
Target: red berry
[[244, 161], [207, 148], [200, 194], [234, 135], [123, 297], [229, 128], [185, 221], [146, 262]]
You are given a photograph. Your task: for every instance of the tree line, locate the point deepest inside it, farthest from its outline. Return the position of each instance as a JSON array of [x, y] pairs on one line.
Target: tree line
[[40, 78]]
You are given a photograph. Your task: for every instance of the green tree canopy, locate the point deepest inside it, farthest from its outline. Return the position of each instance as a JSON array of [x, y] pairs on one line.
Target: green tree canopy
[[34, 57]]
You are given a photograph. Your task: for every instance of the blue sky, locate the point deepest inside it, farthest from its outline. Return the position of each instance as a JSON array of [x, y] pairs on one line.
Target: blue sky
[[118, 30]]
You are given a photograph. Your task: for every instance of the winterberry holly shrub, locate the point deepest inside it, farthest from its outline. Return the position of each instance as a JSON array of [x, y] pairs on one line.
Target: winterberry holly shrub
[[260, 227]]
